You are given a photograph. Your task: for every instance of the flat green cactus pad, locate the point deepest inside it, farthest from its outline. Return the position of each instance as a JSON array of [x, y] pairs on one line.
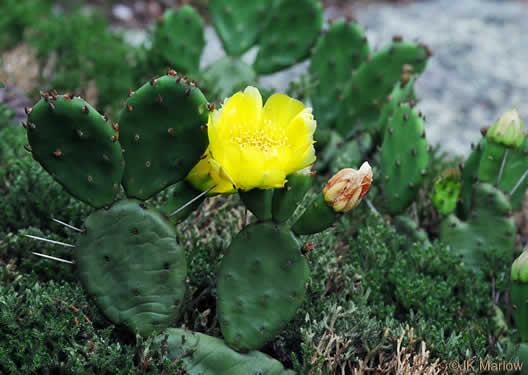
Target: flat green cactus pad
[[289, 35], [205, 355], [129, 260], [337, 54], [402, 92], [260, 285], [238, 22], [78, 147], [404, 158], [163, 132], [515, 166], [286, 200], [489, 232], [470, 170], [227, 76], [374, 81], [179, 39]]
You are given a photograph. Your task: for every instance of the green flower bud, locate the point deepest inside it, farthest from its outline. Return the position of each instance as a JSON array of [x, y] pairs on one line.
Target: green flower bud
[[519, 270], [508, 130]]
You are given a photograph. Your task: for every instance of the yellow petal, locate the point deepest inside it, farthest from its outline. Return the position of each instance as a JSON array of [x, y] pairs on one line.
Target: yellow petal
[[280, 109], [274, 178], [224, 183]]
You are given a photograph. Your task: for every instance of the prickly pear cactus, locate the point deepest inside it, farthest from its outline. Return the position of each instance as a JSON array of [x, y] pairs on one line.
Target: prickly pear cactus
[[179, 39], [77, 146], [289, 34], [469, 177], [505, 166], [127, 258], [261, 284], [488, 234], [227, 76], [338, 53], [162, 130], [374, 81], [238, 22], [519, 294], [404, 158], [286, 200], [402, 92], [206, 355]]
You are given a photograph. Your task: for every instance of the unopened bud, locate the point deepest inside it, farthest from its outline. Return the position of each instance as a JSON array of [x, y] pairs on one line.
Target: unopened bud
[[508, 130], [519, 270], [344, 191]]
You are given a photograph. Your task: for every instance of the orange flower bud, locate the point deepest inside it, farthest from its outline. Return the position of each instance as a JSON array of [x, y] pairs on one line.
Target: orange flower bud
[[344, 191]]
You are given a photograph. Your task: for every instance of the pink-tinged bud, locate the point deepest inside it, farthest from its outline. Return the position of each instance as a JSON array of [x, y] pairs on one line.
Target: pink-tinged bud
[[344, 191]]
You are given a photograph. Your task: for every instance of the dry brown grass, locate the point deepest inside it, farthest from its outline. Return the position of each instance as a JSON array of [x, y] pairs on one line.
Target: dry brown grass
[[410, 359]]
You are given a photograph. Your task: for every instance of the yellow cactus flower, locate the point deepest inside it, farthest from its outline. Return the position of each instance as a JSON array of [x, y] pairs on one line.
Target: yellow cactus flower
[[254, 146]]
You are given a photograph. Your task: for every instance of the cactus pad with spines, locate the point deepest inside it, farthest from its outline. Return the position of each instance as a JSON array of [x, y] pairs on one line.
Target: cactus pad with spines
[[259, 202], [286, 200], [404, 158], [487, 235], [347, 156], [317, 217], [470, 170], [374, 81], [402, 92], [129, 260], [261, 284], [78, 147], [205, 355], [338, 53], [289, 34], [238, 22], [182, 193], [227, 76], [515, 165], [179, 39], [163, 132]]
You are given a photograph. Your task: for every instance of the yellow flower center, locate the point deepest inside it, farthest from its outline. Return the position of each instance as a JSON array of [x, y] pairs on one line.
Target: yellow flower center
[[266, 139]]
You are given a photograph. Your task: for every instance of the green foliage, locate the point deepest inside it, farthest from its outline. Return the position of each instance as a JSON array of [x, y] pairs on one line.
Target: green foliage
[[16, 16], [52, 328], [79, 49], [425, 286]]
